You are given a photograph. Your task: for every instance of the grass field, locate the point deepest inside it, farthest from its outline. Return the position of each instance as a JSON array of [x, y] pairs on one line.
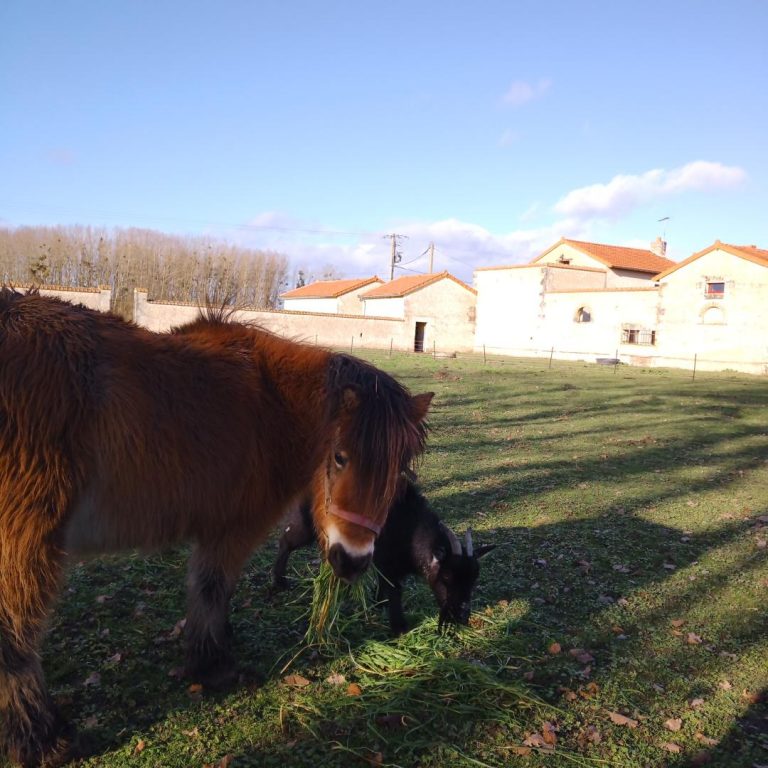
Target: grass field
[[624, 621]]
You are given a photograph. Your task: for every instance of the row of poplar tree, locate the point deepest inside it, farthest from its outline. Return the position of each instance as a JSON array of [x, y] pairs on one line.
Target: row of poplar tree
[[171, 268]]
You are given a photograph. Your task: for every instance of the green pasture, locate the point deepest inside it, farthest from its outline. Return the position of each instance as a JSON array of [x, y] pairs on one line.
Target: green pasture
[[623, 622]]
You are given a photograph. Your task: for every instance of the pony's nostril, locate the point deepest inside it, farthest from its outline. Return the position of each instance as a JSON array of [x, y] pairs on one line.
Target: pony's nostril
[[347, 567]]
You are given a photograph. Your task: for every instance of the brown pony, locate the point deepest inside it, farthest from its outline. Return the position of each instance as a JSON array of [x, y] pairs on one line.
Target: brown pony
[[114, 437]]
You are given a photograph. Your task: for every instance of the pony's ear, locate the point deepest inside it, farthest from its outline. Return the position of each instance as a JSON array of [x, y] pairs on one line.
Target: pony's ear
[[420, 404], [484, 550]]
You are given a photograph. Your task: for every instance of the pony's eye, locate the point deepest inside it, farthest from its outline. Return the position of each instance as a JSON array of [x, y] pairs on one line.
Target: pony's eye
[[340, 459]]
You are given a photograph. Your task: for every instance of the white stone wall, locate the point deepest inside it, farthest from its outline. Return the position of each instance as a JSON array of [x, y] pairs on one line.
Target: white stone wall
[[329, 306], [384, 307], [95, 298], [509, 309]]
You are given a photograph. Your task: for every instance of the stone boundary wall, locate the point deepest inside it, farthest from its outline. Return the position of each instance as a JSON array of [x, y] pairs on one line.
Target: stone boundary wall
[[337, 331]]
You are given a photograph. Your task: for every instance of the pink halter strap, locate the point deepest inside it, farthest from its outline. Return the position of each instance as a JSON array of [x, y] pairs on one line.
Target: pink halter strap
[[352, 517]]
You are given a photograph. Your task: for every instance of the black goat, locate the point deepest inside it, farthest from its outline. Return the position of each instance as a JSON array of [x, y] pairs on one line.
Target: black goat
[[413, 541]]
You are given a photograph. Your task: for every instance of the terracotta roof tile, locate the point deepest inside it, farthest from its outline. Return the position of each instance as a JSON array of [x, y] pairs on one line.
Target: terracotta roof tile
[[620, 257], [329, 289], [750, 252], [402, 286]]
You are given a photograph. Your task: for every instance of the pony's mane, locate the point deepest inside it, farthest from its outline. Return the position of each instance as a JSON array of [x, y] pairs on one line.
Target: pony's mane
[[386, 430]]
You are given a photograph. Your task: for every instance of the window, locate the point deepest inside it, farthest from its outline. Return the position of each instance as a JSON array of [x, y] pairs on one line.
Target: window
[[583, 315], [715, 290], [638, 336], [713, 316]]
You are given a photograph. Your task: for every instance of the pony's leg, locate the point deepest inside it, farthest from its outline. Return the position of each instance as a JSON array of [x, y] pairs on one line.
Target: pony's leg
[[294, 537], [213, 575], [32, 732]]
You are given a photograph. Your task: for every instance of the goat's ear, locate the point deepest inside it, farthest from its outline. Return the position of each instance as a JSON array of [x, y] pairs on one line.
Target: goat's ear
[[484, 550]]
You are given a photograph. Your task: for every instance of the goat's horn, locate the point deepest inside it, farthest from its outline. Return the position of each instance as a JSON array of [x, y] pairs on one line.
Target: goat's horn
[[454, 542], [468, 542]]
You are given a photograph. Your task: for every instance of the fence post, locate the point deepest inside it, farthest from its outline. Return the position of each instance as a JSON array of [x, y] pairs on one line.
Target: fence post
[[434, 350], [695, 355], [551, 354], [391, 342], [616, 364], [484, 357]]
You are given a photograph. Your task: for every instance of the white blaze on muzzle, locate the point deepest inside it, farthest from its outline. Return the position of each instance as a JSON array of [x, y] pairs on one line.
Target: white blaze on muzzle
[[335, 536]]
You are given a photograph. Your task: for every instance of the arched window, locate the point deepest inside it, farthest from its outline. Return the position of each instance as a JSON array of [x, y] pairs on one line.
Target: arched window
[[583, 315], [713, 316]]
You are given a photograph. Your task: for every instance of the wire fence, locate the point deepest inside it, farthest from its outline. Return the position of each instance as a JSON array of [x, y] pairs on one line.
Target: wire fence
[[696, 364]]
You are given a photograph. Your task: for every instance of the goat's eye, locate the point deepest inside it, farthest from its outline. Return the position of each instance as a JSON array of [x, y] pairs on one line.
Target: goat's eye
[[341, 459]]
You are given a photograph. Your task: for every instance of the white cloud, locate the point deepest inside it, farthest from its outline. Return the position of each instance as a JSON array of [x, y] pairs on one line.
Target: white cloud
[[521, 92], [624, 193]]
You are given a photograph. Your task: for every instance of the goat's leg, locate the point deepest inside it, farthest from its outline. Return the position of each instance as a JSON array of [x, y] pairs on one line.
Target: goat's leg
[[392, 596], [294, 537]]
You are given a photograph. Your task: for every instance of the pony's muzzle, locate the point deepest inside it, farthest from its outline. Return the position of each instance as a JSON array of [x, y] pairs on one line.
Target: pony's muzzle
[[347, 567]]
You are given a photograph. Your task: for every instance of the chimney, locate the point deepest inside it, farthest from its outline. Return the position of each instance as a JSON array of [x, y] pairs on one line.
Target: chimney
[[659, 247]]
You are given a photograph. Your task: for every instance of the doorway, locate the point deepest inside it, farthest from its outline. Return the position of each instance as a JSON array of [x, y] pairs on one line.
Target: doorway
[[418, 339]]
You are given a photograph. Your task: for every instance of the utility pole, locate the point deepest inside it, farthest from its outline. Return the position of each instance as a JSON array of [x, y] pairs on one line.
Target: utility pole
[[396, 257], [431, 257]]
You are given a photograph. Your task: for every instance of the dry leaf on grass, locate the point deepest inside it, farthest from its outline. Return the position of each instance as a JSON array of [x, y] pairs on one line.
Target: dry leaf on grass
[[549, 732], [620, 719], [726, 685], [696, 703], [582, 656], [353, 689], [296, 681], [673, 724], [677, 622], [336, 679], [705, 740], [522, 751], [94, 680], [139, 746], [693, 639], [670, 746], [537, 741], [554, 649]]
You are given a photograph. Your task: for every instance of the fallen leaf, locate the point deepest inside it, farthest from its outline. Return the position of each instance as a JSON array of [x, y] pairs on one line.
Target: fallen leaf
[[139, 746], [196, 689], [376, 759], [554, 649], [670, 746], [536, 740], [94, 679], [696, 703], [620, 719], [673, 724], [677, 622], [582, 656], [336, 679], [549, 732], [115, 659], [353, 689], [693, 639], [706, 740], [726, 685], [296, 681], [522, 751], [750, 696]]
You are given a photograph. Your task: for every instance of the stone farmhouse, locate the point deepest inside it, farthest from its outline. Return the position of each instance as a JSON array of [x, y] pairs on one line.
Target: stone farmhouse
[[590, 301]]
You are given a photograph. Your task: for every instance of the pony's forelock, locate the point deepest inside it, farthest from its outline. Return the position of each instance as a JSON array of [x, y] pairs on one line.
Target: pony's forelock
[[383, 431]]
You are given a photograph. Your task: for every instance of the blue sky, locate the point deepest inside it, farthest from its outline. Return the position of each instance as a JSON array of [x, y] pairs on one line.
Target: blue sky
[[490, 128]]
